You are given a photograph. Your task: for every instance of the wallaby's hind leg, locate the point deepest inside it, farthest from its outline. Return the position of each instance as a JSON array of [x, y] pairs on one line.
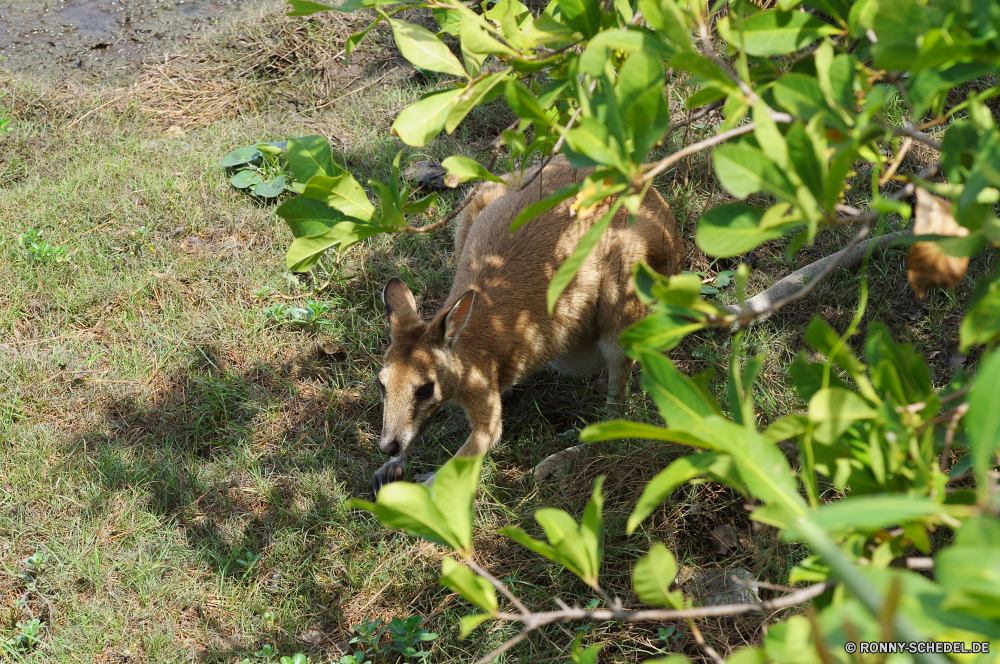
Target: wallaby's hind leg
[[619, 367]]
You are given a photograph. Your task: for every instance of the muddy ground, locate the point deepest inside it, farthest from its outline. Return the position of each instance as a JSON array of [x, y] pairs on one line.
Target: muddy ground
[[102, 37]]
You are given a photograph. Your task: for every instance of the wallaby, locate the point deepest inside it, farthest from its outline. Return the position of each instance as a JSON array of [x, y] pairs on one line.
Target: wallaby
[[494, 329]]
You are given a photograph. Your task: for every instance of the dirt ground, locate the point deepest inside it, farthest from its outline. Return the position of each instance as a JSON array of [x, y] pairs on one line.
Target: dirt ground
[[102, 37]]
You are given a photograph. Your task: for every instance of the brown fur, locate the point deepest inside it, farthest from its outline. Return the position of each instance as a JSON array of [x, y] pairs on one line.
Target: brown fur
[[494, 330]]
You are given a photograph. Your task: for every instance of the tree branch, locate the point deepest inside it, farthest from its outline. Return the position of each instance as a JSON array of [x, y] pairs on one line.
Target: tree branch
[[536, 620]]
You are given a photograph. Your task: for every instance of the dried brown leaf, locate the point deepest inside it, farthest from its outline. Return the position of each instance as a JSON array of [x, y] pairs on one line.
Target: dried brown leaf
[[928, 266]]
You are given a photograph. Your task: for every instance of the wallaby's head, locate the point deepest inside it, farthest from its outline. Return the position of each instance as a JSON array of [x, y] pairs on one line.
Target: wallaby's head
[[417, 375]]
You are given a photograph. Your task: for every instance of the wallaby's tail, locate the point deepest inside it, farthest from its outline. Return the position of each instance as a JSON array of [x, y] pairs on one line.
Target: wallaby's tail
[[796, 281]]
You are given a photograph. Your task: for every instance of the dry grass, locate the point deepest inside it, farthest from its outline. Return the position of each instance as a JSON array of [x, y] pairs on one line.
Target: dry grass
[[157, 426]]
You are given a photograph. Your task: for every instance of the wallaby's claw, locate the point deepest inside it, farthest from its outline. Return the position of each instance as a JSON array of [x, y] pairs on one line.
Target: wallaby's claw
[[426, 478], [391, 471]]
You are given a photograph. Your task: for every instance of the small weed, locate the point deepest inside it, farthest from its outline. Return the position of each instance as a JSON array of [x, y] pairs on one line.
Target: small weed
[[144, 239], [313, 314], [404, 638], [25, 639], [37, 250], [268, 652], [260, 169], [406, 635]]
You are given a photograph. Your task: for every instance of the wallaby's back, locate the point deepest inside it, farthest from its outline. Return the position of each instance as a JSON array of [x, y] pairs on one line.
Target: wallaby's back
[[511, 274]]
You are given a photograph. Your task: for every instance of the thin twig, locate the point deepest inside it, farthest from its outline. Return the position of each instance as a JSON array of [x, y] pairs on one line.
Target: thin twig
[[917, 135], [505, 646], [498, 585], [536, 620], [668, 161], [346, 94], [555, 151], [709, 650], [694, 117], [949, 434], [896, 161]]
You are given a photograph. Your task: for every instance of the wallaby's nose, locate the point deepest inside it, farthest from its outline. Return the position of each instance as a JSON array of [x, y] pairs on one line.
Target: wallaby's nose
[[390, 446]]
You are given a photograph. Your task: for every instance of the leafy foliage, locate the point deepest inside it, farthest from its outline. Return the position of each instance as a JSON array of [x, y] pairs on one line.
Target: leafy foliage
[[808, 91]]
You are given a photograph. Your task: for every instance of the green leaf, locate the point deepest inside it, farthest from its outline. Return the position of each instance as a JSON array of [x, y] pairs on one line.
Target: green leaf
[[778, 33], [678, 399], [743, 170], [577, 548], [525, 105], [454, 491], [642, 102], [571, 265], [871, 513], [240, 156], [925, 86], [653, 575], [355, 39], [630, 41], [307, 217], [832, 410], [407, 506], [582, 15], [971, 574], [704, 70], [476, 39], [981, 324], [469, 623], [789, 426], [472, 97], [659, 332], [666, 481], [982, 423], [245, 179], [666, 17], [823, 338], [311, 155], [343, 193], [271, 188], [440, 514], [734, 229], [306, 7], [304, 252], [421, 205], [592, 528], [800, 95], [422, 48], [590, 138], [419, 123], [618, 429], [762, 466], [463, 169], [544, 205], [466, 583]]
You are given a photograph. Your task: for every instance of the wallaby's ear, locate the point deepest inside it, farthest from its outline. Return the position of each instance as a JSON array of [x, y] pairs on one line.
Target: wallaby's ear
[[457, 317], [400, 307]]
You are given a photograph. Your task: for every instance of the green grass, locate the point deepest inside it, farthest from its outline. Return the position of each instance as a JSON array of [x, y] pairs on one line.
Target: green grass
[[159, 430]]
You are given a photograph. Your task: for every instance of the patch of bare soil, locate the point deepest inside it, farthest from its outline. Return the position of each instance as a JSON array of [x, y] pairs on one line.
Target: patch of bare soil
[[101, 37]]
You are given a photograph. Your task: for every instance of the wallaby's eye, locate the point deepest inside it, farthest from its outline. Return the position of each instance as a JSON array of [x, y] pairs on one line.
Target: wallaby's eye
[[425, 391]]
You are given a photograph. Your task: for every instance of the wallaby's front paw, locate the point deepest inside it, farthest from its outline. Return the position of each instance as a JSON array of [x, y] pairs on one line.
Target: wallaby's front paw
[[391, 471]]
